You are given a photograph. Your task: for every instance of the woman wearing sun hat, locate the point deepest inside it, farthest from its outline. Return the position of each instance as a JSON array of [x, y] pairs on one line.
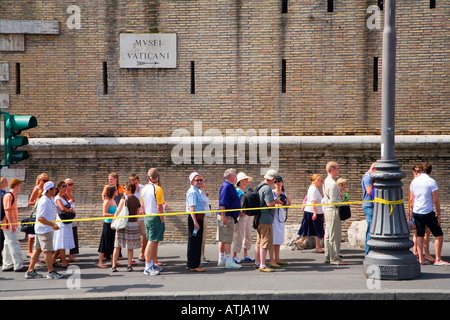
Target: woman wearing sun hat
[[243, 230]]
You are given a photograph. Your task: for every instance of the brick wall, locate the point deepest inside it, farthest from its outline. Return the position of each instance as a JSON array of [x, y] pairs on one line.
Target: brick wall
[[89, 168], [237, 47]]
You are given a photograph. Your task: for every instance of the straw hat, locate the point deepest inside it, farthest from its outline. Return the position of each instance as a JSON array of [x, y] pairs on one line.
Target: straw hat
[[242, 176]]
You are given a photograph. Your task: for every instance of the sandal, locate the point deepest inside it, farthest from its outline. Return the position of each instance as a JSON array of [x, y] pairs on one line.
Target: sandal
[[129, 269], [274, 265], [113, 269], [441, 263], [430, 259], [102, 266], [299, 245]]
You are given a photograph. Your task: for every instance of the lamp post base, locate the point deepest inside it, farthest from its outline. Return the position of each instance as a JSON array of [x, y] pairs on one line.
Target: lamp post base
[[390, 257], [391, 264]]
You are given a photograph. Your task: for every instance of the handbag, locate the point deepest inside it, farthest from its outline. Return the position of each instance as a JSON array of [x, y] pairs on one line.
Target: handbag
[[119, 222], [66, 215], [27, 225], [344, 212]]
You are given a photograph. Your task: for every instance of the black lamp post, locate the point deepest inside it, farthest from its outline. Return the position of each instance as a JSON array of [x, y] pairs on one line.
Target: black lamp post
[[390, 234]]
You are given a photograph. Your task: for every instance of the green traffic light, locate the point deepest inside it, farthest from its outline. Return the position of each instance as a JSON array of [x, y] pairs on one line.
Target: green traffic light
[[14, 125]]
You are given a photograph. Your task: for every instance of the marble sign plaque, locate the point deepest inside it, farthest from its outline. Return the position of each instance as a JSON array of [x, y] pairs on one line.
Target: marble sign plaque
[[148, 50]]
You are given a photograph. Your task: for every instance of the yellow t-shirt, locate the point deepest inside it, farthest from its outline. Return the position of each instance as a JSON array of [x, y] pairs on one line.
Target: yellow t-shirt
[[151, 196]]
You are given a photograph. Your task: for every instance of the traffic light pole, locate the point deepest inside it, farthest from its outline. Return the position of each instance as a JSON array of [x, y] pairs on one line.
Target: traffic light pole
[[390, 257]]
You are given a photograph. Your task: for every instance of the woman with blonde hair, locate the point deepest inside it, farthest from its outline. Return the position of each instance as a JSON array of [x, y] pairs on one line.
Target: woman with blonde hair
[[312, 223]]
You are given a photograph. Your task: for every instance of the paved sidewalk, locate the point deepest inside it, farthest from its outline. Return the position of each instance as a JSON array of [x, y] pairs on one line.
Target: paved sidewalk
[[306, 277]]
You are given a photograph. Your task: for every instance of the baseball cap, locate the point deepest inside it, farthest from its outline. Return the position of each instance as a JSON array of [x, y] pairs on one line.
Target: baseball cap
[[192, 176], [270, 174], [47, 186]]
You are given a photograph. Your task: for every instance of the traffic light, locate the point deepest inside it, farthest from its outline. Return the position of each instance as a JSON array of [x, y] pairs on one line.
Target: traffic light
[[14, 125]]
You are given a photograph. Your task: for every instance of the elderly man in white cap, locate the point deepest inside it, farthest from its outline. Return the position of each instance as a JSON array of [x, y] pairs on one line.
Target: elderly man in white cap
[[44, 227], [194, 203], [243, 230], [264, 239]]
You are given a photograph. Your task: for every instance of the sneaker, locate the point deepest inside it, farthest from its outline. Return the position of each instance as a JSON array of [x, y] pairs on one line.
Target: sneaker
[[232, 265], [32, 275], [221, 263], [248, 259], [266, 269], [237, 260], [54, 275], [150, 272], [22, 269], [157, 268]]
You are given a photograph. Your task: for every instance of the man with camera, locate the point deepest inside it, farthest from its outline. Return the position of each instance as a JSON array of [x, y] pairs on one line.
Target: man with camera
[[264, 239]]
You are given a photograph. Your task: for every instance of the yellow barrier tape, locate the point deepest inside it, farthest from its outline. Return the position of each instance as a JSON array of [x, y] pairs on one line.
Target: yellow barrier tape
[[391, 203], [379, 200]]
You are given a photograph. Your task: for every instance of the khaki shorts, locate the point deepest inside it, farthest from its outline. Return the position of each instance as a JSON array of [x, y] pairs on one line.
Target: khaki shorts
[[225, 232], [44, 241], [142, 229], [264, 236]]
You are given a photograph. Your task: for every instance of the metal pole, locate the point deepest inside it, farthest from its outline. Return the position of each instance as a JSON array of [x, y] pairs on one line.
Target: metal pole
[[390, 257], [388, 83]]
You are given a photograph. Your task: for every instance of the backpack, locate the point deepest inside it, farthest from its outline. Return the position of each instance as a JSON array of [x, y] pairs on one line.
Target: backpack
[[2, 209], [251, 200]]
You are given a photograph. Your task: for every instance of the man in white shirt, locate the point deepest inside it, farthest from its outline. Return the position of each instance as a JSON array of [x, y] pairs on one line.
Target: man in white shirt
[[44, 227], [152, 199], [424, 192]]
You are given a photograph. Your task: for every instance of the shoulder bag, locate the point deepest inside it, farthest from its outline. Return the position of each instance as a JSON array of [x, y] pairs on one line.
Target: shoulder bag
[[344, 210], [120, 222]]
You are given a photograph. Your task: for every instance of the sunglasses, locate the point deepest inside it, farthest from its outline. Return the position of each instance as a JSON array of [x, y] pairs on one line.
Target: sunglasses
[[199, 180]]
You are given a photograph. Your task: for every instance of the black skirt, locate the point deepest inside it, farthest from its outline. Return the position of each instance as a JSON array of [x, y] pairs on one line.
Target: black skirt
[[107, 240]]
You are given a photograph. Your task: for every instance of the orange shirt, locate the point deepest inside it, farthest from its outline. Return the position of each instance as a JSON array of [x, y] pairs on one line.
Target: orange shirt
[[11, 209]]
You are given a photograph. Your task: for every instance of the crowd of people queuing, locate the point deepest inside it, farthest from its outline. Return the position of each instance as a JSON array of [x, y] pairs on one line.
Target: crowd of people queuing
[[234, 227]]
